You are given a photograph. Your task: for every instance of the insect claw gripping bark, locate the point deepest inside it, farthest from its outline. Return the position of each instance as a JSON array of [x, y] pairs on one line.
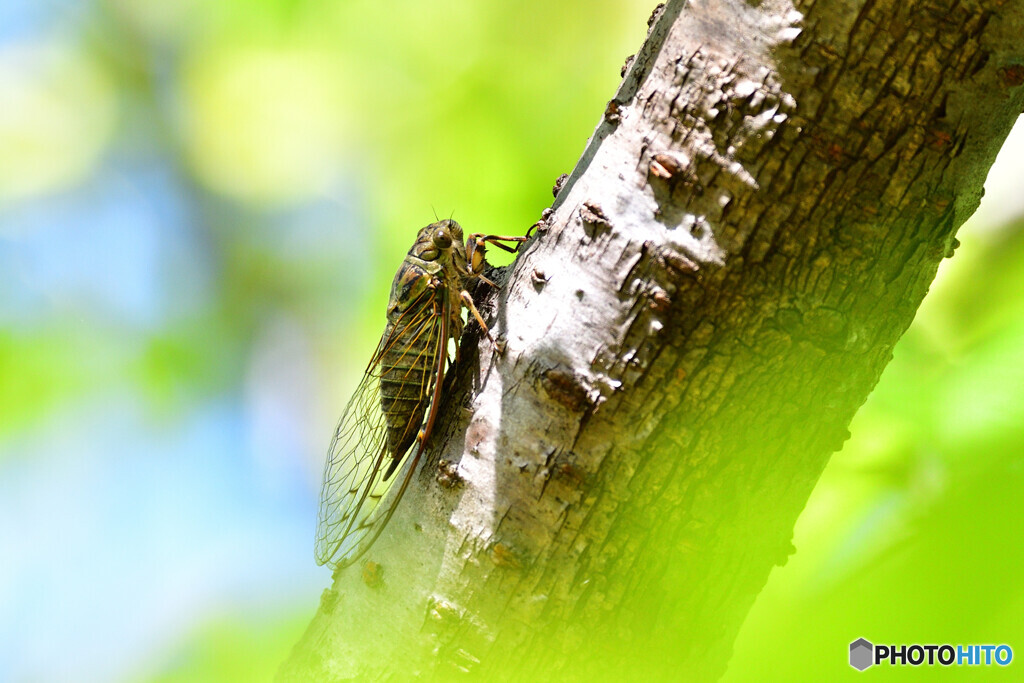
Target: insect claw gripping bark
[[394, 408]]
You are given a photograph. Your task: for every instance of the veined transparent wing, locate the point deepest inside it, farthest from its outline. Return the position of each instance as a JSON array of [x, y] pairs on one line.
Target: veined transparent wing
[[358, 497]]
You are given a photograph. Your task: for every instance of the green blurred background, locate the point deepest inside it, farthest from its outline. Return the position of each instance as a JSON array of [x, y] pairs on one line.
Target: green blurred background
[[202, 205]]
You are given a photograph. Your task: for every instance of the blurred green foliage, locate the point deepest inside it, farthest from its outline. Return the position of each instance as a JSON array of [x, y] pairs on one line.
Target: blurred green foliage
[[233, 651], [362, 120]]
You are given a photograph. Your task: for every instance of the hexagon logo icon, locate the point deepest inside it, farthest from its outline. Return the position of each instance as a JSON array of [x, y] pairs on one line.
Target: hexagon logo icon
[[862, 654]]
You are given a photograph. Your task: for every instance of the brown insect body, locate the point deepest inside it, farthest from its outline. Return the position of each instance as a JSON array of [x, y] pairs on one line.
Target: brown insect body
[[395, 405], [423, 291]]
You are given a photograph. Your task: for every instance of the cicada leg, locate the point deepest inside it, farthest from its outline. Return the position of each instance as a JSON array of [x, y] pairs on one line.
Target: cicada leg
[[476, 247], [479, 238], [467, 301]]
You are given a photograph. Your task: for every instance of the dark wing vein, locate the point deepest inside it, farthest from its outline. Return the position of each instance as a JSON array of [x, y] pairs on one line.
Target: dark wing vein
[[351, 511]]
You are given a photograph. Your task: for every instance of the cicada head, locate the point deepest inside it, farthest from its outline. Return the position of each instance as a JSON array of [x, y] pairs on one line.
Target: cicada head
[[435, 241]]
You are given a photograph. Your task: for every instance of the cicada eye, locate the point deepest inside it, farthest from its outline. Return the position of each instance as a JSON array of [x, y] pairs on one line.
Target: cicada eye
[[441, 239]]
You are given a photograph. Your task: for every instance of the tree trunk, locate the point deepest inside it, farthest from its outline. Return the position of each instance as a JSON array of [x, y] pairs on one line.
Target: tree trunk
[[721, 281]]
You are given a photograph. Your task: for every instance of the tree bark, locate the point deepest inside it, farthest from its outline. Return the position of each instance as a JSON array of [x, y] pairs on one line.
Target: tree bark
[[720, 283]]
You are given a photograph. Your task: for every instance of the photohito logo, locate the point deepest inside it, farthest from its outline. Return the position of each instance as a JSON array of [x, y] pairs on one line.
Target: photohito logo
[[863, 654]]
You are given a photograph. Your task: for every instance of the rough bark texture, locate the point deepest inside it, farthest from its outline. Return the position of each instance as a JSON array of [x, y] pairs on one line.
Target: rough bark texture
[[718, 288]]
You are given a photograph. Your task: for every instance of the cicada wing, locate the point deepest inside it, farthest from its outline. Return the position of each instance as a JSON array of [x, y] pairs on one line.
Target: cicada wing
[[353, 460], [357, 499]]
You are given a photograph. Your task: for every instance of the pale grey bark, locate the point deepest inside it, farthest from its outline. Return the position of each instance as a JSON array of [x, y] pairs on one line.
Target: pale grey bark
[[720, 284]]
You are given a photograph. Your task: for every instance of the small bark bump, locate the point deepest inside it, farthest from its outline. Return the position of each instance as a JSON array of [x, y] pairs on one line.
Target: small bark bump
[[1012, 76], [566, 388], [504, 555], [559, 184], [594, 218], [373, 574], [448, 474]]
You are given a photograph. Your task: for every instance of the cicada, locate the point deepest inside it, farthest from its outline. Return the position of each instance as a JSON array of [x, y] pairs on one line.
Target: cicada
[[395, 406]]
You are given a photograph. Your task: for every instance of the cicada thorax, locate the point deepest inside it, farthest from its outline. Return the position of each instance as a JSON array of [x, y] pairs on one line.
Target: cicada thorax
[[423, 314]]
